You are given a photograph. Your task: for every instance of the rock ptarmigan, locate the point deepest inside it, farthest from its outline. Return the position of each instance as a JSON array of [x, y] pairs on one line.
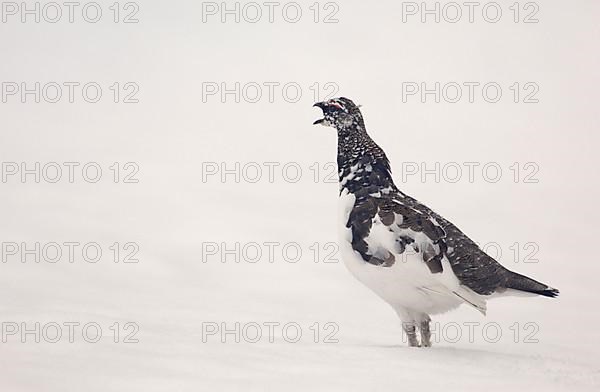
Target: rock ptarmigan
[[414, 259]]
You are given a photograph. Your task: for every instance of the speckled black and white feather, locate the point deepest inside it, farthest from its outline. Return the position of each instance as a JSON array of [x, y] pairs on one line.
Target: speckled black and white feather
[[378, 207]]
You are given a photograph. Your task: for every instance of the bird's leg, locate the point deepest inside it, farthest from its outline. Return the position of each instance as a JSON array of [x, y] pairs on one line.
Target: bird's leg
[[410, 329], [425, 332]]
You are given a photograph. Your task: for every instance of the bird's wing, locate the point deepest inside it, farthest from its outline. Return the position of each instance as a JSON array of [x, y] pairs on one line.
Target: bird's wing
[[435, 239], [409, 227]]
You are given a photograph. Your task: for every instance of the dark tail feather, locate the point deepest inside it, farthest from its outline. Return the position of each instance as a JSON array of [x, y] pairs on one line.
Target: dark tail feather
[[523, 283]]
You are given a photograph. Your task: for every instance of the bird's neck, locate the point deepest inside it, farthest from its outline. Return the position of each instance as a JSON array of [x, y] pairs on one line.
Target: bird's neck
[[362, 164]]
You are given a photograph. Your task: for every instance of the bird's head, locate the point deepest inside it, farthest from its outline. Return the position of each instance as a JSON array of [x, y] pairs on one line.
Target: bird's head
[[340, 113]]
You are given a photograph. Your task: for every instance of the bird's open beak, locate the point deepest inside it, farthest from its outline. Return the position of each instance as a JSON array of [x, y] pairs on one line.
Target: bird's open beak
[[320, 105]]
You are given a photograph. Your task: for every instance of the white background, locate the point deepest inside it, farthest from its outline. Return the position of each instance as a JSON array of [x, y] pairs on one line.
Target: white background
[[173, 133]]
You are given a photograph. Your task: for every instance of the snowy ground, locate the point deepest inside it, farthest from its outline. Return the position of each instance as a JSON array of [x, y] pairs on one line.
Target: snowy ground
[[174, 305]]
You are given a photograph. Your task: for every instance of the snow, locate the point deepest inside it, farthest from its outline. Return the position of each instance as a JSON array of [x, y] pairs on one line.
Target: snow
[[179, 290]]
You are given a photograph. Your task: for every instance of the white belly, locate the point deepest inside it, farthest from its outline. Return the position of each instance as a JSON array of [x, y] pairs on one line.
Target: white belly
[[406, 285]]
